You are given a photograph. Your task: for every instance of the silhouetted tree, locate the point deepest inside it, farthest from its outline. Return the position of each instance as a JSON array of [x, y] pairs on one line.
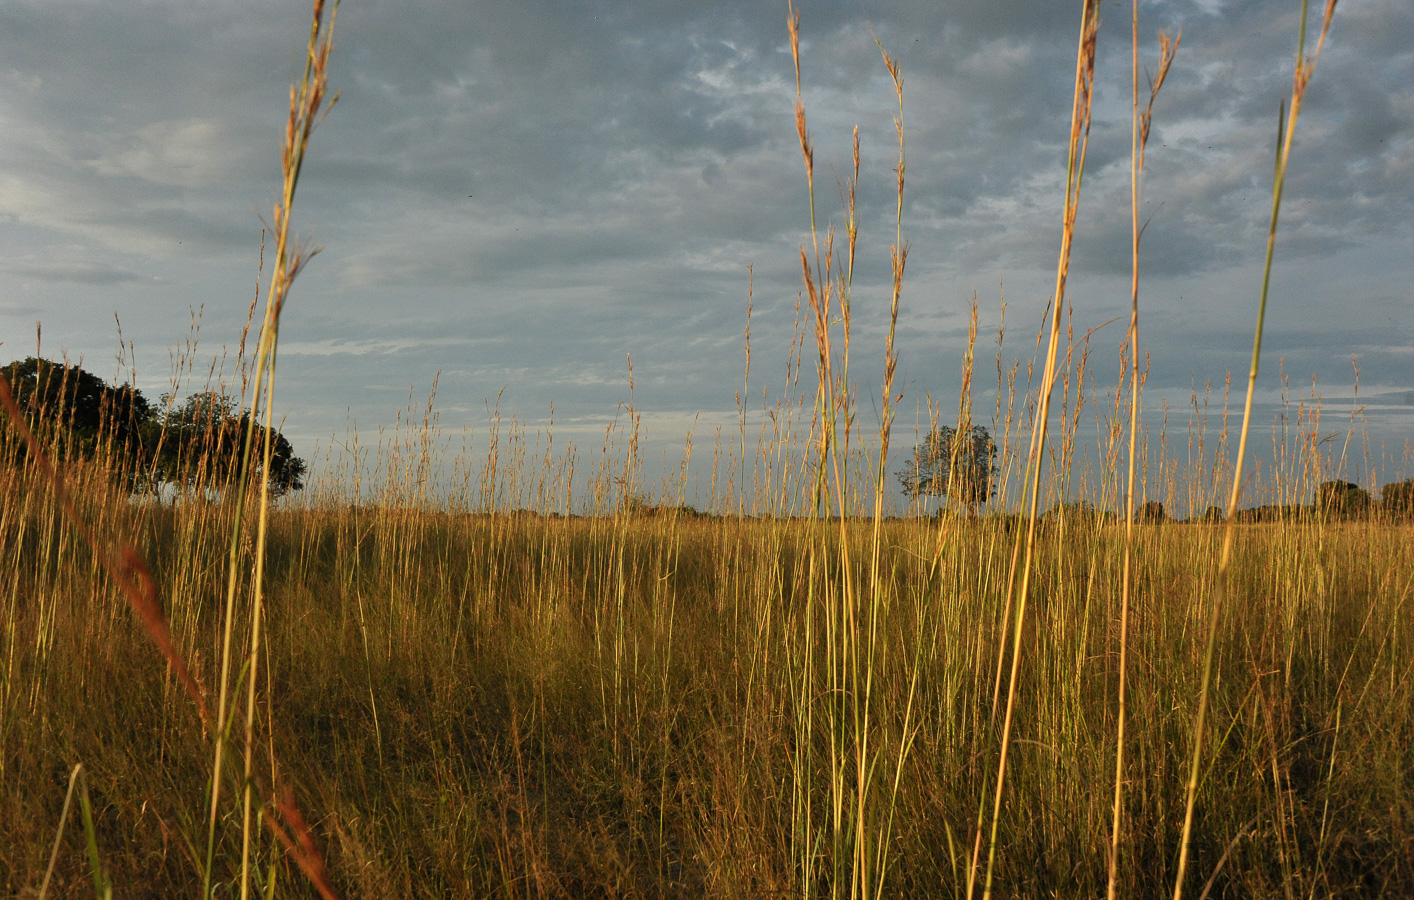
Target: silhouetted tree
[[198, 445], [1212, 515], [76, 413], [952, 463], [1397, 499], [1151, 511], [1268, 513], [1342, 499]]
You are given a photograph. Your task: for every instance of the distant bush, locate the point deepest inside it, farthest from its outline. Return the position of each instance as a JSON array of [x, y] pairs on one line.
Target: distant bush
[[1213, 516], [1152, 511], [1342, 500], [1270, 513], [1077, 511], [1397, 499]]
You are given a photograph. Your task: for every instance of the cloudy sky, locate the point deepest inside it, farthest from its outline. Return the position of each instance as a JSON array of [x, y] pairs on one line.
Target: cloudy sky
[[521, 195]]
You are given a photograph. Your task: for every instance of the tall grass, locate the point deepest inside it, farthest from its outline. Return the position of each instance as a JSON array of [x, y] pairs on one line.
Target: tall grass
[[306, 107], [521, 670], [1139, 141], [1286, 130], [577, 705]]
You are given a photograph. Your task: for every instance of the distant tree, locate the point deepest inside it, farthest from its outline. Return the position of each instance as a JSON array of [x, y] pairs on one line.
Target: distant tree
[[952, 463], [198, 445], [1151, 511], [1342, 499], [1268, 513], [1078, 511], [77, 413], [1397, 499], [1213, 515]]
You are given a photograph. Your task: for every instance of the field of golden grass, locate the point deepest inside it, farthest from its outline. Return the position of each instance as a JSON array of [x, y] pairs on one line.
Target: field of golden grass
[[528, 684], [630, 705]]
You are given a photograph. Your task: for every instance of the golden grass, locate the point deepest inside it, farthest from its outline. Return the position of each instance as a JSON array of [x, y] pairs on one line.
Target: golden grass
[[464, 689], [574, 706]]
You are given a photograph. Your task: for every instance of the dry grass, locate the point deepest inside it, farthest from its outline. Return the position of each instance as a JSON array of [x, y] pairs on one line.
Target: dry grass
[[454, 686], [588, 706]]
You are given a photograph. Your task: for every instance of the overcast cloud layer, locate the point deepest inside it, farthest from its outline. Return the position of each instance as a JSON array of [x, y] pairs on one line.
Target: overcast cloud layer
[[521, 195]]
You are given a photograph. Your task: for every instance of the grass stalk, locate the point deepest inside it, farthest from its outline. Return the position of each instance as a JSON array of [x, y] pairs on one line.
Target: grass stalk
[[898, 255], [306, 108], [1075, 169], [1139, 140], [1286, 132]]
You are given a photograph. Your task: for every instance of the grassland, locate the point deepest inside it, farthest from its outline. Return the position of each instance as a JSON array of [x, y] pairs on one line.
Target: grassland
[[527, 705], [389, 690]]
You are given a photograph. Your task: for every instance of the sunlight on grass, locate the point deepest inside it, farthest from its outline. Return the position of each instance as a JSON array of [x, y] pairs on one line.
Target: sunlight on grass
[[524, 671]]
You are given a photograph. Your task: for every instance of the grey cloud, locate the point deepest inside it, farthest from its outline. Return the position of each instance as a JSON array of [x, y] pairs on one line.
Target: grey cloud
[[522, 194], [73, 272]]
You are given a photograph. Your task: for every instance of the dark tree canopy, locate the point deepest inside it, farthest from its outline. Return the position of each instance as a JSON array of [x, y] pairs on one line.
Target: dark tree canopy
[[1151, 511], [952, 463], [65, 400], [195, 445], [1397, 499], [198, 444], [1342, 499]]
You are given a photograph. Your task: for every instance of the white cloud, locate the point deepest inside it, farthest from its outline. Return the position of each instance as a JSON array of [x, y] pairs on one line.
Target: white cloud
[[187, 153]]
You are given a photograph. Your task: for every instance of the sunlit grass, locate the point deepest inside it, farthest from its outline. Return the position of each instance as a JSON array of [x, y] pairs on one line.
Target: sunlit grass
[[585, 705], [530, 673]]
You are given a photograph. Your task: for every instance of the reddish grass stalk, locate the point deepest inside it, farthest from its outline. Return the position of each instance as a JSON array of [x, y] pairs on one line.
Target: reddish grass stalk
[[123, 563], [300, 845]]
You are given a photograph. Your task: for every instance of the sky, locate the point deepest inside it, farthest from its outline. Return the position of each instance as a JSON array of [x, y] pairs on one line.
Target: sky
[[515, 199]]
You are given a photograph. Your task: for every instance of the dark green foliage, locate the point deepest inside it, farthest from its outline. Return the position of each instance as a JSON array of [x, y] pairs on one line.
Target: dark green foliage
[[1342, 500], [195, 445], [1212, 516], [1151, 511], [198, 447], [952, 463], [1270, 513], [62, 400], [1397, 499]]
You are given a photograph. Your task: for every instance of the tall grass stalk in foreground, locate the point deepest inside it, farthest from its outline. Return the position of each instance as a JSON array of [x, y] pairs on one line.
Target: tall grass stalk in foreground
[[855, 604], [306, 108], [898, 256], [1286, 132], [1139, 140], [822, 420], [519, 692], [1075, 170]]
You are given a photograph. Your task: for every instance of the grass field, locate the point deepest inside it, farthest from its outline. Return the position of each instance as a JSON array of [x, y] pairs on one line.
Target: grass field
[[527, 705], [538, 677]]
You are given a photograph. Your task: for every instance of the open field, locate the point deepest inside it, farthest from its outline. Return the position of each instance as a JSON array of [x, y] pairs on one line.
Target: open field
[[506, 677], [519, 705]]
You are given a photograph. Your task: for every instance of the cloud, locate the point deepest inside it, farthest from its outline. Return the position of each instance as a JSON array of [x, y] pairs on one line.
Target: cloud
[[186, 153], [523, 195], [367, 347], [74, 272]]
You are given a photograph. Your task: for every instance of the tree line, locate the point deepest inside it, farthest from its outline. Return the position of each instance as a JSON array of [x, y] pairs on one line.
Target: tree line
[[958, 464], [195, 446]]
